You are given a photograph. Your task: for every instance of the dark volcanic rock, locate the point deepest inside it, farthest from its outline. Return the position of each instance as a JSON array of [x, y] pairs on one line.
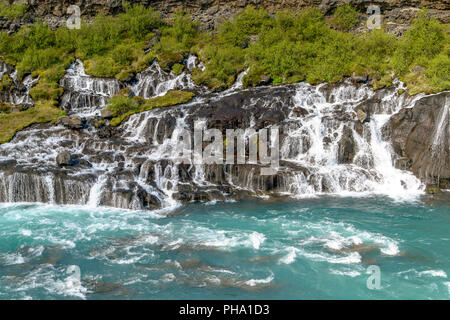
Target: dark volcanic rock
[[421, 134], [347, 148], [75, 123], [64, 159]]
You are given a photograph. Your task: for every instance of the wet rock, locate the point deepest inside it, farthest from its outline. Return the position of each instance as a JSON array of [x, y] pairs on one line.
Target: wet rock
[[360, 79], [75, 123], [362, 116], [105, 132], [64, 159], [418, 69], [403, 163], [265, 80], [347, 148], [432, 189], [421, 134], [9, 163], [300, 112], [152, 42], [106, 114]]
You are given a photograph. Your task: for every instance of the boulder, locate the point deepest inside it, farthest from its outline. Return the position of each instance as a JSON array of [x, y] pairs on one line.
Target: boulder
[[360, 79], [300, 112], [64, 159], [421, 134], [362, 116], [106, 114], [347, 148], [74, 123]]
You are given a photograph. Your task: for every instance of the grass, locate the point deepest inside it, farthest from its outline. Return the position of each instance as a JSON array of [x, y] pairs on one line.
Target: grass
[[14, 122], [122, 106]]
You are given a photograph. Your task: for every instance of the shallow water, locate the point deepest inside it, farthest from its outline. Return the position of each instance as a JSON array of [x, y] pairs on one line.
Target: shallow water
[[317, 248]]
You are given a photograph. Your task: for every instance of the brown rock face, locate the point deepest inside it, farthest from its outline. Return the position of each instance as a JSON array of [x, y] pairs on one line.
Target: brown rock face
[[347, 149], [421, 134], [395, 13]]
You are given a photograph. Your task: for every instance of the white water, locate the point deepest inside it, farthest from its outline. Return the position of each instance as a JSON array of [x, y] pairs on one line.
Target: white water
[[84, 94], [311, 146]]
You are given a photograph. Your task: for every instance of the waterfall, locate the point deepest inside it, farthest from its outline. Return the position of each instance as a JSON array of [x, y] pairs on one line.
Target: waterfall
[[19, 92], [84, 94], [153, 81], [440, 146], [324, 146]]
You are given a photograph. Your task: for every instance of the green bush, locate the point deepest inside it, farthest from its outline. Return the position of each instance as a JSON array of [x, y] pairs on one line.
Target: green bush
[[176, 40], [424, 40], [12, 11], [137, 21], [345, 17], [374, 53], [438, 71]]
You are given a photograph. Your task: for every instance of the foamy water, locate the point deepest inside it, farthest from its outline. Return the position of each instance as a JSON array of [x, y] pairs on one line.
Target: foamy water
[[309, 249]]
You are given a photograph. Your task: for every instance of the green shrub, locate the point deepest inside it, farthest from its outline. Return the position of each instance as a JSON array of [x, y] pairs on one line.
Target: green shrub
[[424, 40], [176, 40], [438, 71], [345, 17], [374, 53], [137, 21], [177, 68], [12, 11]]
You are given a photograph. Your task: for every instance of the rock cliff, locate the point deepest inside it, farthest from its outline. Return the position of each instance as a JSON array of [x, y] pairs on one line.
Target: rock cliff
[[396, 14]]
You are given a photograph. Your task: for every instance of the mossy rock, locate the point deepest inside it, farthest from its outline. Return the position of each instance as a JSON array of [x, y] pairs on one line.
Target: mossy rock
[[177, 68], [432, 190]]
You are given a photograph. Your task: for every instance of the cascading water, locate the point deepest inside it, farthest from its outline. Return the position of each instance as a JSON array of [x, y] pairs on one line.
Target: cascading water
[[324, 146], [84, 94], [19, 92], [153, 81]]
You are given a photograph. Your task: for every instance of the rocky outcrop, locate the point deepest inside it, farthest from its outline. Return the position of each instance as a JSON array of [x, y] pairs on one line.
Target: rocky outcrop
[[397, 14], [421, 135], [64, 159], [347, 147]]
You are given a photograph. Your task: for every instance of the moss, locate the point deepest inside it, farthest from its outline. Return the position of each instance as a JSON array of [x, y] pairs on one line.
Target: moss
[[5, 107], [253, 77], [177, 68], [5, 83], [123, 106], [432, 190], [13, 122], [12, 11]]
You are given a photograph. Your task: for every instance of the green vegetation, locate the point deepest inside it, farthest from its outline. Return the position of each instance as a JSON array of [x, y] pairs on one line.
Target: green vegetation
[[283, 48], [122, 106], [345, 17], [13, 122], [296, 46], [12, 11]]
